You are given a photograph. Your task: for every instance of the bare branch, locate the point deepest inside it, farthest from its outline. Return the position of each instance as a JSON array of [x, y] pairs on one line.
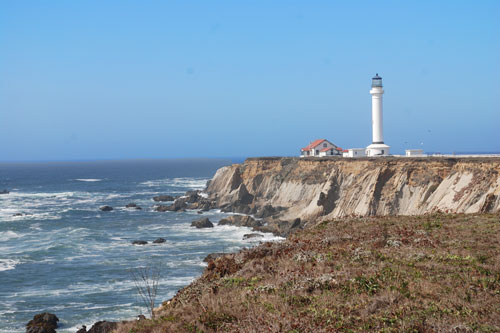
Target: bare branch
[[146, 280]]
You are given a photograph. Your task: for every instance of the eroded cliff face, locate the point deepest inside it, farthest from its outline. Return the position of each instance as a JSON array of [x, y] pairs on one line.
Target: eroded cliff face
[[309, 189]]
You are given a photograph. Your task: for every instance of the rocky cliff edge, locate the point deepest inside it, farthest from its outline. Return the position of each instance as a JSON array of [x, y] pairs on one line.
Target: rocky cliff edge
[[310, 188]]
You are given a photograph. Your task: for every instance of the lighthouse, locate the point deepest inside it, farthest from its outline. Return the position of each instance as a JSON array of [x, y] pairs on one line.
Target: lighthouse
[[378, 147]]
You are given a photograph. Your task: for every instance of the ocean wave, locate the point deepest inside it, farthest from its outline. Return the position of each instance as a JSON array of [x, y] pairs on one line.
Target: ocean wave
[[116, 286], [154, 227], [188, 262], [116, 195], [7, 216], [36, 226], [51, 205], [8, 264], [184, 182], [27, 195], [82, 256], [6, 235], [88, 180]]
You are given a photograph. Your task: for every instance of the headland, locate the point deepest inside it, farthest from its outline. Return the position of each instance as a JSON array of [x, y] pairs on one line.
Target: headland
[[372, 244]]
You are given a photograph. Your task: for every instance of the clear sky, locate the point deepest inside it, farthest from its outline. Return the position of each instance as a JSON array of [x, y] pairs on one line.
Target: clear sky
[[159, 79]]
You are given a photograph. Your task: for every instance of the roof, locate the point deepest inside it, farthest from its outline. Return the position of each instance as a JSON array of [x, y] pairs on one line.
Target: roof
[[338, 148], [313, 144], [326, 149]]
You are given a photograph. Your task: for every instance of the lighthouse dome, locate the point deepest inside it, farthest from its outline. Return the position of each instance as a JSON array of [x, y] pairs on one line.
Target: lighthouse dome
[[376, 81]]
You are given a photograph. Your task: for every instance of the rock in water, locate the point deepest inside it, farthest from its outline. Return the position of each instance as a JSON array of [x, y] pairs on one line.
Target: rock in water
[[162, 198], [106, 208], [159, 240], [178, 205], [202, 223], [139, 242], [254, 235], [193, 196], [42, 323], [103, 327], [82, 330], [4, 192], [132, 205]]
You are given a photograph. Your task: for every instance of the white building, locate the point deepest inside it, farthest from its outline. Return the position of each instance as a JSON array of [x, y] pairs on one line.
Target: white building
[[319, 148], [355, 152], [414, 153], [330, 152], [378, 147]]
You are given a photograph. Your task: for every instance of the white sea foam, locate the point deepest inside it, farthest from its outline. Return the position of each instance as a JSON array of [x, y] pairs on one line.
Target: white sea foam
[[88, 180], [27, 195], [191, 183], [116, 195], [6, 235], [7, 264], [189, 262], [153, 227], [47, 205], [36, 226], [81, 257]]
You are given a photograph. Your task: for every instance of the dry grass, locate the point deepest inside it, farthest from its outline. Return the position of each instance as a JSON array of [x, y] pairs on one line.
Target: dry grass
[[428, 273]]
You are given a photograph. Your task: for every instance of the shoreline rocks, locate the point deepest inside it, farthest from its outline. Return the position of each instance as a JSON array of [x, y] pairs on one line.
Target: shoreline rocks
[[252, 235], [202, 223], [268, 211], [133, 205], [42, 323], [82, 330], [164, 198], [178, 205], [159, 240], [213, 256], [191, 200], [103, 327], [240, 221]]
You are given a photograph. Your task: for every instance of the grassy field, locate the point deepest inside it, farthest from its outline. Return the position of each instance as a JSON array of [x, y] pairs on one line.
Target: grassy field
[[432, 273]]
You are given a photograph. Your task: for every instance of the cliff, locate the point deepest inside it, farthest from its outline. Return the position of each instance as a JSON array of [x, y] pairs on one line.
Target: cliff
[[290, 188]]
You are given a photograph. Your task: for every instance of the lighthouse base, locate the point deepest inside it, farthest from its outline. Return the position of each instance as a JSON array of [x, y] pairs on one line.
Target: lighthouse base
[[377, 149]]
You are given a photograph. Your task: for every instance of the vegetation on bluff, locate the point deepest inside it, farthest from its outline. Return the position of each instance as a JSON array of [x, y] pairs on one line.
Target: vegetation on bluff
[[414, 274]]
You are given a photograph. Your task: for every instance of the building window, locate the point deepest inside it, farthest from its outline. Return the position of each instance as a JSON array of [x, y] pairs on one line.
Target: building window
[[382, 151], [324, 145]]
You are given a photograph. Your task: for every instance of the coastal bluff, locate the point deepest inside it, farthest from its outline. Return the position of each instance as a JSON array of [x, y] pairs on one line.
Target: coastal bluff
[[326, 188]]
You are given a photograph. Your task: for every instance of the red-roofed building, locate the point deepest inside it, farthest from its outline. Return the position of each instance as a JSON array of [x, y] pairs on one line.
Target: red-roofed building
[[320, 147]]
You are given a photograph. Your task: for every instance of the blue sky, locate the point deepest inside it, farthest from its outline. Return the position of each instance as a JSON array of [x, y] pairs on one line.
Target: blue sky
[[160, 79]]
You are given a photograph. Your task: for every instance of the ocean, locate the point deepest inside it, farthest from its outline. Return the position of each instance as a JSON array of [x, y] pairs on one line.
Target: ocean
[[59, 253]]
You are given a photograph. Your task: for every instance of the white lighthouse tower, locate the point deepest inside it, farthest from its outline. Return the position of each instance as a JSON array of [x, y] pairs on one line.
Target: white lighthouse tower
[[378, 147]]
